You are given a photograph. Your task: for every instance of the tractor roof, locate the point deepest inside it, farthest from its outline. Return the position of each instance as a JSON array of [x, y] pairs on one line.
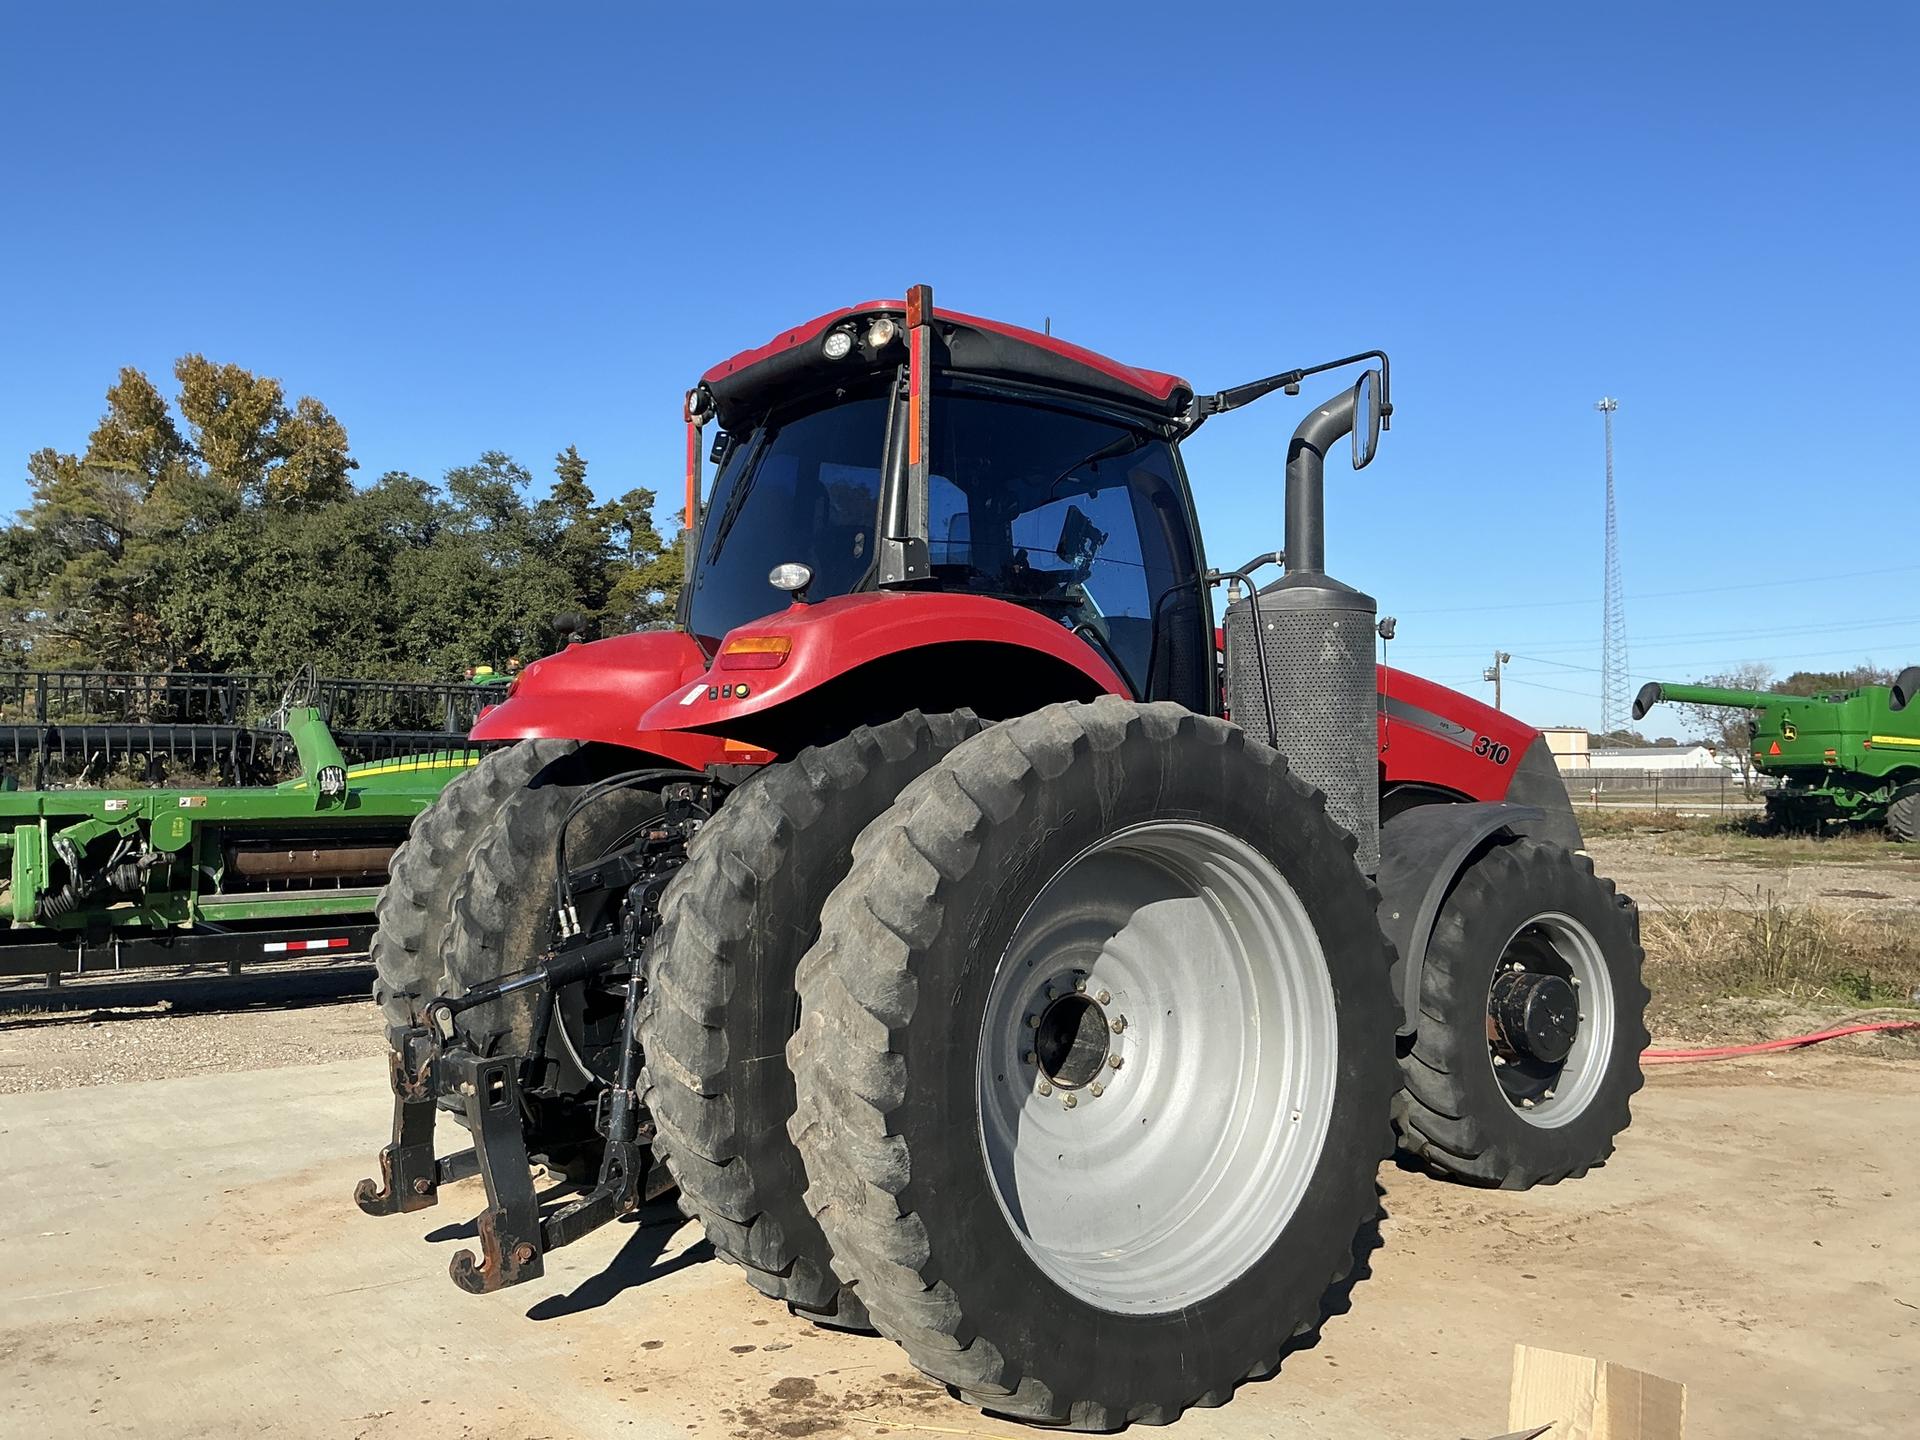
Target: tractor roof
[[754, 379]]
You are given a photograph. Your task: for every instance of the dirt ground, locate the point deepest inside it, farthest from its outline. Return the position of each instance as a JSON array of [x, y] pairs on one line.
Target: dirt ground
[[181, 1258], [179, 1254], [1657, 877]]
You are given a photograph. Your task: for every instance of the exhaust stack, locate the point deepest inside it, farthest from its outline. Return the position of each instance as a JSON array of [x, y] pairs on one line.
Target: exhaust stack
[[1317, 638]]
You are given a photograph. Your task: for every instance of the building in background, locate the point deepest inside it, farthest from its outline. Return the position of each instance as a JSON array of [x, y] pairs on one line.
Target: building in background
[[1573, 750]]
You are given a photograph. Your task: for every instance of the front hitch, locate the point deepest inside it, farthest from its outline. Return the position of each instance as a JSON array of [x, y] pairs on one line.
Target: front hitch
[[433, 1061]]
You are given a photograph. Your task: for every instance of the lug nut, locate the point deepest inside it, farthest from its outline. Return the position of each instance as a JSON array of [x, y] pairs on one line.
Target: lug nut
[[1080, 984], [1045, 1088], [1526, 1104], [1033, 1022], [1576, 982], [1104, 998], [1049, 992], [1115, 1061], [1499, 1060], [1118, 1025], [1028, 1057], [1548, 1095], [1070, 1102], [1096, 1089]]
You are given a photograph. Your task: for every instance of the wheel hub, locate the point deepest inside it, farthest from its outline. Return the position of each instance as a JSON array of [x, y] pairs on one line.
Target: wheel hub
[[1535, 1016], [1550, 1019], [1073, 1041]]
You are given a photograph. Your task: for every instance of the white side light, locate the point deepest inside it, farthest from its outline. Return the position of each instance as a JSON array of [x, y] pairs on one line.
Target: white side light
[[791, 577], [837, 344], [880, 334]]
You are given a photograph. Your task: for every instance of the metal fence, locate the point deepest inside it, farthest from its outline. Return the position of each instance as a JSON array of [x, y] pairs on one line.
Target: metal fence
[[1713, 788], [89, 725], [68, 697]]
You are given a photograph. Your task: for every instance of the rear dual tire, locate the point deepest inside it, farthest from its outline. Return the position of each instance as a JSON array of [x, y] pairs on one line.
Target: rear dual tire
[[1161, 859], [720, 1003]]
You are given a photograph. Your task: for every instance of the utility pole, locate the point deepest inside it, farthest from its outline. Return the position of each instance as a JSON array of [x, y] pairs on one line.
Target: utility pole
[[1613, 619], [1493, 672]]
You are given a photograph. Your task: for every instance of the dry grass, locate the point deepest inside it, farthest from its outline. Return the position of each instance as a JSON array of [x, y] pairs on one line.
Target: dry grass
[[1813, 956], [1709, 838]]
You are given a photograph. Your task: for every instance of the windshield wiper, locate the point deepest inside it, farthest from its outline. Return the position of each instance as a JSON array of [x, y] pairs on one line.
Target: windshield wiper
[[736, 502], [1112, 450]]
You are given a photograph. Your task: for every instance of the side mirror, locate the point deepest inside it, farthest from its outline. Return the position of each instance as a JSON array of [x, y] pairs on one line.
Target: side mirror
[[1080, 542], [1366, 418]]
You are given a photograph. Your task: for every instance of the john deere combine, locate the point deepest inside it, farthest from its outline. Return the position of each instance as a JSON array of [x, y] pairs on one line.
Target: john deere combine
[[109, 879], [1849, 757]]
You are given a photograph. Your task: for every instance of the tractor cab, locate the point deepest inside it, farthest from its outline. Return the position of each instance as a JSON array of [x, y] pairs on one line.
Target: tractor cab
[[1003, 464]]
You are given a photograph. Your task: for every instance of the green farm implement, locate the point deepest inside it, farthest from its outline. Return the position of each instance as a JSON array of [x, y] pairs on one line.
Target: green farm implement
[[1849, 757], [113, 879]]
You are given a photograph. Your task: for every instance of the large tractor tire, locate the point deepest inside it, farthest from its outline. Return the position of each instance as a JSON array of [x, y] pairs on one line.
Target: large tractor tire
[[1095, 1063], [417, 903], [502, 918], [503, 907], [720, 1002], [1903, 818], [1532, 1020]]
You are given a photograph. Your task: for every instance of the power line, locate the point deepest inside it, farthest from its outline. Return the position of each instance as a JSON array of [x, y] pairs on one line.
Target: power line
[[1666, 639], [1801, 580]]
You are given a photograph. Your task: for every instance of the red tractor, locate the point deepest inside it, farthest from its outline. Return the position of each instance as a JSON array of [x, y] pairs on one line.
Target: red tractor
[[983, 959]]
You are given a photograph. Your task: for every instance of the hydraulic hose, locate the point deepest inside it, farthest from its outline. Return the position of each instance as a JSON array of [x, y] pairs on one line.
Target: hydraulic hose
[[1791, 1042]]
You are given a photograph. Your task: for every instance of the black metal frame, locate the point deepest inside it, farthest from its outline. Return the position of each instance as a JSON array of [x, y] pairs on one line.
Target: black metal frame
[[434, 1062], [83, 954]]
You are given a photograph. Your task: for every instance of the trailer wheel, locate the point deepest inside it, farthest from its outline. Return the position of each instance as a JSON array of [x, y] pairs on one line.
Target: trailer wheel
[[1903, 817], [720, 1002], [417, 903], [1094, 1064], [1532, 1020]]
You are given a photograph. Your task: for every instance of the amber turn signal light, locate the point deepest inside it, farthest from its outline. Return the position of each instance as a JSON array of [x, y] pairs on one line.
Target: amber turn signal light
[[755, 652]]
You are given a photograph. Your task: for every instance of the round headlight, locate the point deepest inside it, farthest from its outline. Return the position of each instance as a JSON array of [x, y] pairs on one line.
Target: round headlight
[[838, 343], [880, 334]]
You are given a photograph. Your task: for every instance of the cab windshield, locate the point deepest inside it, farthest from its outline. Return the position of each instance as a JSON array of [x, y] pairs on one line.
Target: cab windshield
[[1077, 515], [803, 488]]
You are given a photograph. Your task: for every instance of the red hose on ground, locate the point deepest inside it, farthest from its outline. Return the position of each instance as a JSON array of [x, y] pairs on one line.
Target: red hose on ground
[[1792, 1042]]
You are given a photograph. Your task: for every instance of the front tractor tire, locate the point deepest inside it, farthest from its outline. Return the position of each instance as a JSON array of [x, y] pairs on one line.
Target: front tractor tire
[[416, 907], [1532, 1019], [720, 1001], [1095, 1064]]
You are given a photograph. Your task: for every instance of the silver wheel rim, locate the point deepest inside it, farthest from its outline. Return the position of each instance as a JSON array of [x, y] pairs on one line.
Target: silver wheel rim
[[1181, 953], [1553, 943]]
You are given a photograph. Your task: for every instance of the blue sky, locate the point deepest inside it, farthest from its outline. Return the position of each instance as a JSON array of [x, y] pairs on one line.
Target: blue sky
[[479, 227]]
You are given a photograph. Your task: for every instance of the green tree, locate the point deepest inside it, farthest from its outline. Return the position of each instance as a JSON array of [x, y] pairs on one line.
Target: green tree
[[233, 415], [311, 448], [1728, 728], [1825, 682], [235, 540], [137, 433]]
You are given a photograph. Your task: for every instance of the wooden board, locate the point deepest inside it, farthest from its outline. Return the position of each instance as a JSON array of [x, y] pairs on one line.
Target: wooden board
[[1588, 1399]]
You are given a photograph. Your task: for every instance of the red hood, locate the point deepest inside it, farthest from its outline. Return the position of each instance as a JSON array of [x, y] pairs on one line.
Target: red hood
[[598, 691]]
